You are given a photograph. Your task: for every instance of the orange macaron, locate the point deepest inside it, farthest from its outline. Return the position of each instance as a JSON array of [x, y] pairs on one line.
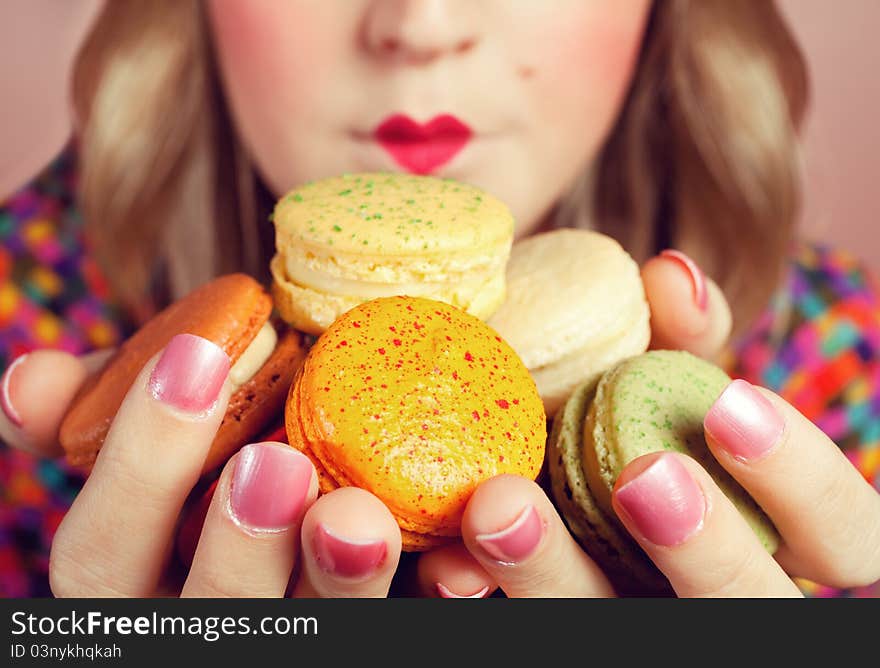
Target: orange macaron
[[234, 311], [417, 402]]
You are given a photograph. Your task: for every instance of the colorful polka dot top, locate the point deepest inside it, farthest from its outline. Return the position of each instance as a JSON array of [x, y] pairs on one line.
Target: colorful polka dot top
[[816, 345]]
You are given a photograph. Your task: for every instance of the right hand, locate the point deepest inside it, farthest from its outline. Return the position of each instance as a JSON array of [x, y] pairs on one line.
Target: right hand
[[118, 534], [826, 512]]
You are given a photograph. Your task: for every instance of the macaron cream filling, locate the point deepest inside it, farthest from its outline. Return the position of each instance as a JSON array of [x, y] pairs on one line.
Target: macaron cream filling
[[323, 282], [345, 240], [556, 381], [254, 356]]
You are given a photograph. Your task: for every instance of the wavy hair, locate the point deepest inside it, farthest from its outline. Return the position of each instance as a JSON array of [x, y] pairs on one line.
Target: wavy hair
[[704, 155]]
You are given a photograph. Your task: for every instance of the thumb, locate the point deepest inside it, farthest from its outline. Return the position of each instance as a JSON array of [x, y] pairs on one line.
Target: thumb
[[35, 393], [688, 310]]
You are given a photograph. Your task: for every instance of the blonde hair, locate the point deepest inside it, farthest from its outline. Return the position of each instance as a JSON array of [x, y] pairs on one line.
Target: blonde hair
[[703, 157]]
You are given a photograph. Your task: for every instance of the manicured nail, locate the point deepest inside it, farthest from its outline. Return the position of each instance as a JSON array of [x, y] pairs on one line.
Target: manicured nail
[[744, 422], [6, 392], [517, 541], [698, 278], [190, 373], [270, 486], [664, 502], [445, 592], [347, 558]]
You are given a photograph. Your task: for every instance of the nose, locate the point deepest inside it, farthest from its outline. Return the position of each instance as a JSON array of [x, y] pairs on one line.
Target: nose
[[420, 31]]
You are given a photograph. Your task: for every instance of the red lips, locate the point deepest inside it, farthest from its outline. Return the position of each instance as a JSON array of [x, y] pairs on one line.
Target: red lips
[[422, 148]]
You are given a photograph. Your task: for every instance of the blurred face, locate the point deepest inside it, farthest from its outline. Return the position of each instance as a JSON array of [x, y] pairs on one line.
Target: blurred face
[[513, 96]]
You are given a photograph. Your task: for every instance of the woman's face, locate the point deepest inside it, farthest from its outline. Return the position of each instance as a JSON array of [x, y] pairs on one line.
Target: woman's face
[[513, 96]]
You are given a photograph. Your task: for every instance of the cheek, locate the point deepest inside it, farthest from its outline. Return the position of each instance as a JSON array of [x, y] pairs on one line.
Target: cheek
[[275, 59], [609, 53], [265, 47], [574, 61], [589, 62]]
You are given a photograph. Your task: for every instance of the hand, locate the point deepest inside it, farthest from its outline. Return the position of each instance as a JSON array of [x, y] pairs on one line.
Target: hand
[[827, 514], [117, 537], [688, 310]]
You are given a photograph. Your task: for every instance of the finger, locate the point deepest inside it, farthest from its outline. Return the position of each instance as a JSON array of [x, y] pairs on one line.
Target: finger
[[35, 392], [692, 532], [250, 538], [688, 311], [453, 572], [114, 539], [95, 361], [826, 512], [350, 547], [514, 532]]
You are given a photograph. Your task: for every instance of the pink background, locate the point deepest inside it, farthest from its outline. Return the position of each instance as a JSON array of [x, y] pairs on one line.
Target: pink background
[[842, 140]]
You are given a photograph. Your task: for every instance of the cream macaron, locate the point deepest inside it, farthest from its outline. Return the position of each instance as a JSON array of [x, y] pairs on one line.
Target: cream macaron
[[575, 306], [346, 240]]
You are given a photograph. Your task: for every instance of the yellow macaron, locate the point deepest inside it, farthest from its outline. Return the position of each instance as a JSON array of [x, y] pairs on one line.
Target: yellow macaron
[[345, 240], [418, 403]]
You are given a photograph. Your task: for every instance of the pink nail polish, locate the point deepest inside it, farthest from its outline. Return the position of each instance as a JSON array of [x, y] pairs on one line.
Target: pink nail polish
[[190, 373], [663, 502], [445, 592], [347, 558], [6, 392], [270, 486], [698, 278], [517, 541], [744, 422]]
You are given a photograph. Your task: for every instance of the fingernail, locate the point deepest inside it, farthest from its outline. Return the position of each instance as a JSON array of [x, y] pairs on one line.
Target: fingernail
[[190, 373], [347, 558], [744, 422], [517, 541], [664, 502], [270, 486], [445, 592], [6, 392], [698, 278]]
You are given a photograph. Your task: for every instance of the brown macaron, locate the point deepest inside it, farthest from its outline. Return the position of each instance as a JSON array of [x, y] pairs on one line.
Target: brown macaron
[[232, 311]]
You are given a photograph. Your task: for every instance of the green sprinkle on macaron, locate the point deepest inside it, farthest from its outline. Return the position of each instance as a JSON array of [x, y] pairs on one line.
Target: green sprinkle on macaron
[[649, 403]]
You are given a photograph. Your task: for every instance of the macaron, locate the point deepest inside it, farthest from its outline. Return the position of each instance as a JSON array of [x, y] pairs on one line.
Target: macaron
[[652, 402], [234, 312], [345, 240], [575, 306], [417, 402]]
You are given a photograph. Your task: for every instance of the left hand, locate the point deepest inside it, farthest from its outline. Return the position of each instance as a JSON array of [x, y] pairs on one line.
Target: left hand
[[827, 514]]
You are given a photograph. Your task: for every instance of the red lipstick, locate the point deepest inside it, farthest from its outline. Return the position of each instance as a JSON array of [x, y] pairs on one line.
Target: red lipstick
[[421, 148]]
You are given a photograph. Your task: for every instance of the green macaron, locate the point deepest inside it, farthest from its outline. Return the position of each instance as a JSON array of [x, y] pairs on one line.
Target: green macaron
[[653, 402]]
